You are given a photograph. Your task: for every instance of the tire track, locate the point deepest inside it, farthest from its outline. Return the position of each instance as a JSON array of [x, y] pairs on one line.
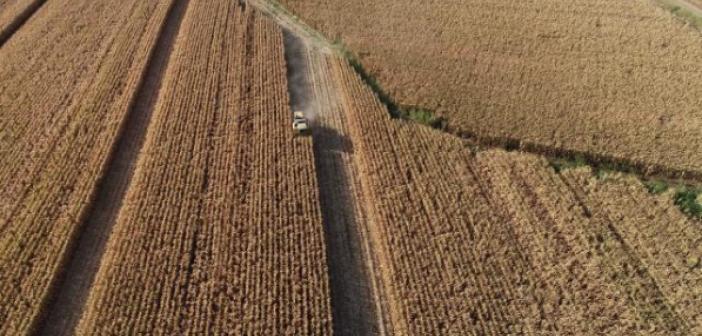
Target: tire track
[[71, 288]]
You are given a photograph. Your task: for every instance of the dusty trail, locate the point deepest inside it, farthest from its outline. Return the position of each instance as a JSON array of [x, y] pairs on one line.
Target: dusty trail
[[356, 303], [70, 291], [19, 21]]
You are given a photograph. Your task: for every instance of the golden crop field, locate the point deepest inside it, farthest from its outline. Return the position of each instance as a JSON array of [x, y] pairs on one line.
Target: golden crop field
[[12, 13], [499, 243], [153, 184], [67, 80], [221, 231], [697, 3], [615, 81]]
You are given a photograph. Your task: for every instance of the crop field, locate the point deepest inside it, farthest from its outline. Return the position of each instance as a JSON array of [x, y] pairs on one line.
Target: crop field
[[221, 230], [153, 184], [697, 3], [499, 243], [615, 81], [13, 13], [62, 101]]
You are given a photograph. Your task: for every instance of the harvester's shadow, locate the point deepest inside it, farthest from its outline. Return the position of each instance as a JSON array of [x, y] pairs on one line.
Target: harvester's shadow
[[351, 297], [330, 140]]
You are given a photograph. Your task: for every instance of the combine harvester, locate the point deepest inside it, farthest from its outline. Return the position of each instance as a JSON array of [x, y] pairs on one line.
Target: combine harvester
[[300, 124]]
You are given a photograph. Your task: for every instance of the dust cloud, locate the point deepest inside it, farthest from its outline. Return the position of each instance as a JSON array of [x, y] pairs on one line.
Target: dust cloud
[[300, 87]]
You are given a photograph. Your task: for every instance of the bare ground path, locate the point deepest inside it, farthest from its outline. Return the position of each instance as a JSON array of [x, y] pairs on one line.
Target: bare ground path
[[356, 303], [70, 292]]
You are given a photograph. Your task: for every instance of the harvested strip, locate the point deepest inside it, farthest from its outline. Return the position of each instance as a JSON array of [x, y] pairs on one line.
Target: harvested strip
[[668, 244], [68, 83], [221, 232], [355, 296]]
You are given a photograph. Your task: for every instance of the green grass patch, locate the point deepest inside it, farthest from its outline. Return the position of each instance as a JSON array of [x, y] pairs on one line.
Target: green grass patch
[[418, 114], [687, 199], [656, 186], [565, 163], [423, 116]]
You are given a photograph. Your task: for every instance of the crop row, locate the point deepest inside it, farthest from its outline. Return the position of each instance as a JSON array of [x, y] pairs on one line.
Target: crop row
[[221, 232], [616, 81], [67, 83], [499, 243]]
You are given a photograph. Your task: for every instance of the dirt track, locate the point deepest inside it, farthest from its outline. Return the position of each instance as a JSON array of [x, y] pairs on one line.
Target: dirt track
[[356, 304], [71, 290]]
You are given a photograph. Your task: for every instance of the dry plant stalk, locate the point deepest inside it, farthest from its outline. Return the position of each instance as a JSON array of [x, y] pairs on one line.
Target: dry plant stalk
[[68, 80], [221, 232], [499, 243]]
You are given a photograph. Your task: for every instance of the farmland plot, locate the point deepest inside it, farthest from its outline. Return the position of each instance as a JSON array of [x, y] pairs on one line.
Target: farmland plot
[[667, 243], [67, 82], [13, 13], [615, 81], [499, 243], [221, 230]]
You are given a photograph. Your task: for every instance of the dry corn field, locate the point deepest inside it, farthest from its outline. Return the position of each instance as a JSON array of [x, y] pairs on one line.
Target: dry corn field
[[152, 183], [221, 230], [615, 81], [67, 83], [13, 13], [499, 243], [697, 3]]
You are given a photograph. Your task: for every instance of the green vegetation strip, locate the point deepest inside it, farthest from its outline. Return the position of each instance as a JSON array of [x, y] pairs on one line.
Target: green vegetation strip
[[686, 197], [415, 113]]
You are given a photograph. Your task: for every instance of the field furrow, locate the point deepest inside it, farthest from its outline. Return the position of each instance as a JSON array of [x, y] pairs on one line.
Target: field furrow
[[221, 231], [352, 267]]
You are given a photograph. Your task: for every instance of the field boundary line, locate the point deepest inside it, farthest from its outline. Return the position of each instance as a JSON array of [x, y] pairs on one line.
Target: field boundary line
[[62, 308], [19, 21]]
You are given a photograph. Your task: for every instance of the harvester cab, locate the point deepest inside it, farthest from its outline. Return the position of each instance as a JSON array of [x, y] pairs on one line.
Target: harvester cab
[[300, 124]]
